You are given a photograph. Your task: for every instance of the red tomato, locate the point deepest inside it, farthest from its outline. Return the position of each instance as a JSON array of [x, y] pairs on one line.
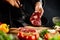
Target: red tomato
[[28, 34], [47, 36], [30, 37], [20, 35]]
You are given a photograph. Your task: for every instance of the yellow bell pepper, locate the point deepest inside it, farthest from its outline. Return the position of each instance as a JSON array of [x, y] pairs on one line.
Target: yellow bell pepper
[[4, 27]]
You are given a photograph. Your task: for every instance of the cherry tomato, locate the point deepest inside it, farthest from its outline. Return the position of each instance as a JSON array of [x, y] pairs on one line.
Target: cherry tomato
[[47, 36], [28, 34]]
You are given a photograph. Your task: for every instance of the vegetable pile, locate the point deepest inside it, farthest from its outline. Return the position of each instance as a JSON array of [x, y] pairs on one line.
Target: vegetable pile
[[47, 35], [28, 34], [4, 36]]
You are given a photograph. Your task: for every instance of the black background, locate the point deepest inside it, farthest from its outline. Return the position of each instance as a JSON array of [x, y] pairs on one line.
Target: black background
[[51, 9]]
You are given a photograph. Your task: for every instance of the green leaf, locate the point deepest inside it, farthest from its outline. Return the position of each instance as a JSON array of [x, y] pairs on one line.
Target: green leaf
[[10, 37], [1, 37], [57, 23], [43, 32], [3, 34]]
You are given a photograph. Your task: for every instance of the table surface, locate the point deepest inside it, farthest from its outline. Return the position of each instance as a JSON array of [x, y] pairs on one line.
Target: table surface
[[14, 31]]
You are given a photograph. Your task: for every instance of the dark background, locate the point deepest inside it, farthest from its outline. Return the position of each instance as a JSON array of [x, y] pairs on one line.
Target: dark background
[[51, 9]]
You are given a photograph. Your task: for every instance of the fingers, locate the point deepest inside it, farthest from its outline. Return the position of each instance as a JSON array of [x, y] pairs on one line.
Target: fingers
[[42, 11], [38, 8], [15, 3]]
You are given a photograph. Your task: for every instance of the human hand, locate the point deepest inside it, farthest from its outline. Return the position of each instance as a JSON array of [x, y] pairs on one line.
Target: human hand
[[39, 8], [15, 3], [36, 16]]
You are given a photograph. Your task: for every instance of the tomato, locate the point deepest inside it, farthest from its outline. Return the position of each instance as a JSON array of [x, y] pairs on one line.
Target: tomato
[[27, 29], [47, 36], [31, 37], [28, 34]]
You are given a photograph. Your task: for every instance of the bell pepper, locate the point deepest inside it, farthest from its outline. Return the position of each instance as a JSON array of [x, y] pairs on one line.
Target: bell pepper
[[4, 27]]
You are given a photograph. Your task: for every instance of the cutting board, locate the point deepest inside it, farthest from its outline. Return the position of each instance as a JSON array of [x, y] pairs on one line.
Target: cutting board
[[16, 30]]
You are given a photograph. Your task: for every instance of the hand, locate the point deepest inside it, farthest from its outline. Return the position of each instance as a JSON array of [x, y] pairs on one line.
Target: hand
[[14, 3], [38, 8]]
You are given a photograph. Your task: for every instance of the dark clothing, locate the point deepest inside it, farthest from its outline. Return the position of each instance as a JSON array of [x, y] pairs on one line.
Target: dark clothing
[[18, 17], [14, 16]]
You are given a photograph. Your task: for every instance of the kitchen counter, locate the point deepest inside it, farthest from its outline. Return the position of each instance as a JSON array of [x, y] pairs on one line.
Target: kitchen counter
[[16, 30]]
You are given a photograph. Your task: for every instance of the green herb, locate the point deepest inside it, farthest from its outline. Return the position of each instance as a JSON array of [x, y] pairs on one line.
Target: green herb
[[43, 32], [57, 23], [4, 36]]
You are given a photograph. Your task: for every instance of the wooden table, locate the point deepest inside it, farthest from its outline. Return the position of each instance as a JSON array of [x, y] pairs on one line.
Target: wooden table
[[14, 31]]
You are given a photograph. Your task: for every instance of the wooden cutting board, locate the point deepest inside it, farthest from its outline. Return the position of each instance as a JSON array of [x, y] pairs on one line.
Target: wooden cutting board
[[16, 30]]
